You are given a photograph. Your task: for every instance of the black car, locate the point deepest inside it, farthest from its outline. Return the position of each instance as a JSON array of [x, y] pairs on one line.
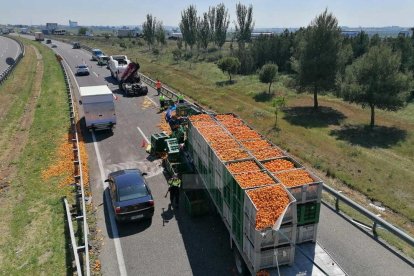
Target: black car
[[130, 195]]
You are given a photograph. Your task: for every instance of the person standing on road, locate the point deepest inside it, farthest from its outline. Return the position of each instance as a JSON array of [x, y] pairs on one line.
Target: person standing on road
[[158, 87], [174, 190], [162, 102]]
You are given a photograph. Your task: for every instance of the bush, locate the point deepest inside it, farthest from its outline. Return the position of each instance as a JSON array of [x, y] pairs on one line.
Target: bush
[[122, 45], [188, 55], [155, 51]]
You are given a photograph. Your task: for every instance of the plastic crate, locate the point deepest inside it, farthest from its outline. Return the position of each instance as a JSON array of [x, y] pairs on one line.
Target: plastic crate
[[267, 258], [195, 202], [307, 192], [237, 230], [268, 237], [227, 216], [158, 141], [308, 213], [306, 233], [289, 215], [296, 164], [236, 208]]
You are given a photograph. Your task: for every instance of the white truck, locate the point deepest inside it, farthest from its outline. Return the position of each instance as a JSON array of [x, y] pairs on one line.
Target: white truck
[[39, 36], [117, 65], [98, 107]]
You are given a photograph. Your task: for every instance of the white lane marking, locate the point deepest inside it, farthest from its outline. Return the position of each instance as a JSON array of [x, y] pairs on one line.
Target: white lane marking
[[95, 74], [114, 228], [143, 135], [152, 100]]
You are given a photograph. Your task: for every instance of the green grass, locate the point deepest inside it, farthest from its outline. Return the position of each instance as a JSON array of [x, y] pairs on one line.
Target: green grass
[[35, 243], [334, 141]]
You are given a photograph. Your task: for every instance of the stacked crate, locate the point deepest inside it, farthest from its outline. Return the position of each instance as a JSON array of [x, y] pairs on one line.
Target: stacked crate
[[230, 156]]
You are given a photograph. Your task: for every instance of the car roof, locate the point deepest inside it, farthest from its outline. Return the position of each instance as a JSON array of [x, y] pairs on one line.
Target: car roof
[[127, 177]]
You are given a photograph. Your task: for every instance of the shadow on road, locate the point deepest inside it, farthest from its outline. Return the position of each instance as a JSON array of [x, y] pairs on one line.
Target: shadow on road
[[307, 117], [124, 229], [364, 136], [87, 135]]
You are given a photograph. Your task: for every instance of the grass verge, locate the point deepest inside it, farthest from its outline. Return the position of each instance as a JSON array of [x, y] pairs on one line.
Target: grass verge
[[32, 209]]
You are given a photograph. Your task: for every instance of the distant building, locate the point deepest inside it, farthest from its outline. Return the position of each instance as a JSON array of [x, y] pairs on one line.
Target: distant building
[[46, 32], [59, 32], [126, 33], [349, 34], [73, 24], [175, 36], [404, 34], [51, 27], [257, 34], [24, 30]]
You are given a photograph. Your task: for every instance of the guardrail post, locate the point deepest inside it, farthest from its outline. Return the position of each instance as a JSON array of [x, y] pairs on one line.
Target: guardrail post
[[337, 204], [374, 229]]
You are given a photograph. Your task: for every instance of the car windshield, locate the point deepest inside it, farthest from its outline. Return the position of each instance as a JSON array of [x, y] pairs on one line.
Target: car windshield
[[134, 191], [82, 66]]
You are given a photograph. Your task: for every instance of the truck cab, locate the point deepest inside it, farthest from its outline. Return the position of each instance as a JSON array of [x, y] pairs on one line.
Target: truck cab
[[117, 65]]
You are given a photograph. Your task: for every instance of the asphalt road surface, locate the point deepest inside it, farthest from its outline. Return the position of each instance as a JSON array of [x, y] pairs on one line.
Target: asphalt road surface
[[174, 244], [9, 51]]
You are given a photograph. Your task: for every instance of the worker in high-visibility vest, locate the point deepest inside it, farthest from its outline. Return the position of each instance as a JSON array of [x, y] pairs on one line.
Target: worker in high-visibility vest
[[174, 189], [180, 98], [162, 102], [158, 87]]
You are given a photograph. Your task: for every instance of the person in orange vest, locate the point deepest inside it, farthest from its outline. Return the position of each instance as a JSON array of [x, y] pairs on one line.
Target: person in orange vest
[[158, 86]]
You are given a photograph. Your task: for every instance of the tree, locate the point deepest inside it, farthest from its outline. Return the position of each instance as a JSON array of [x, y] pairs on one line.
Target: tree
[[82, 31], [244, 24], [360, 44], [268, 74], [230, 65], [221, 25], [203, 31], [188, 25], [160, 33], [176, 54], [318, 58], [212, 22], [375, 40], [278, 104], [148, 30], [374, 80]]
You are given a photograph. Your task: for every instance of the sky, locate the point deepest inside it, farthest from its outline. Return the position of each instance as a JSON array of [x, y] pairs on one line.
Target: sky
[[266, 13]]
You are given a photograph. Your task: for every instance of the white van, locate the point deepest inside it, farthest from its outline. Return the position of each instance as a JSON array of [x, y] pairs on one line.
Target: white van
[[98, 107]]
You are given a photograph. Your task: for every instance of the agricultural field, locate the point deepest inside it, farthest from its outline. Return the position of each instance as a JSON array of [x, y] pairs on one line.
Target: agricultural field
[[34, 121], [335, 141]]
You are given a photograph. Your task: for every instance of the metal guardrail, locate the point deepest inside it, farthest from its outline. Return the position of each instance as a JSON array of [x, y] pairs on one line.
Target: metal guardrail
[[4, 75], [376, 220], [79, 192]]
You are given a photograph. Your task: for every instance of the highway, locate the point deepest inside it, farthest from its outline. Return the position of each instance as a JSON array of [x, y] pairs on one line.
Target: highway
[[9, 51], [174, 244]]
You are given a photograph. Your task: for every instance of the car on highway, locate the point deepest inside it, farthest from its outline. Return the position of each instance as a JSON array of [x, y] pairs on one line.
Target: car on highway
[[82, 70], [131, 198], [54, 45], [76, 45], [103, 60], [48, 41], [96, 53]]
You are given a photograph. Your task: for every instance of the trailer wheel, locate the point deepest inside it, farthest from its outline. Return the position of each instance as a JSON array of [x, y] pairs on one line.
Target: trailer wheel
[[241, 267]]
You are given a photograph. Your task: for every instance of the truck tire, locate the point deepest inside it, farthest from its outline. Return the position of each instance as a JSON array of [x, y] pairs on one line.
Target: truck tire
[[241, 267]]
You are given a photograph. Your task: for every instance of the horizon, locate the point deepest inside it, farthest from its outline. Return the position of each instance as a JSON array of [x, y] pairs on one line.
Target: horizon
[[266, 13]]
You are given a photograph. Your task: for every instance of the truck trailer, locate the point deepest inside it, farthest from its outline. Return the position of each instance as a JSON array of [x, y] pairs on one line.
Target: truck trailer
[[98, 107], [130, 82], [39, 36], [268, 201]]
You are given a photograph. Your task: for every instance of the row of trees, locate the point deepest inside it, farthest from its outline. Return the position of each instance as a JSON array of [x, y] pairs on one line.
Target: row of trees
[[153, 31]]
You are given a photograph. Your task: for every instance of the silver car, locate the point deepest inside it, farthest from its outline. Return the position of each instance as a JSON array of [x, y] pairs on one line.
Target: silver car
[[82, 70]]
